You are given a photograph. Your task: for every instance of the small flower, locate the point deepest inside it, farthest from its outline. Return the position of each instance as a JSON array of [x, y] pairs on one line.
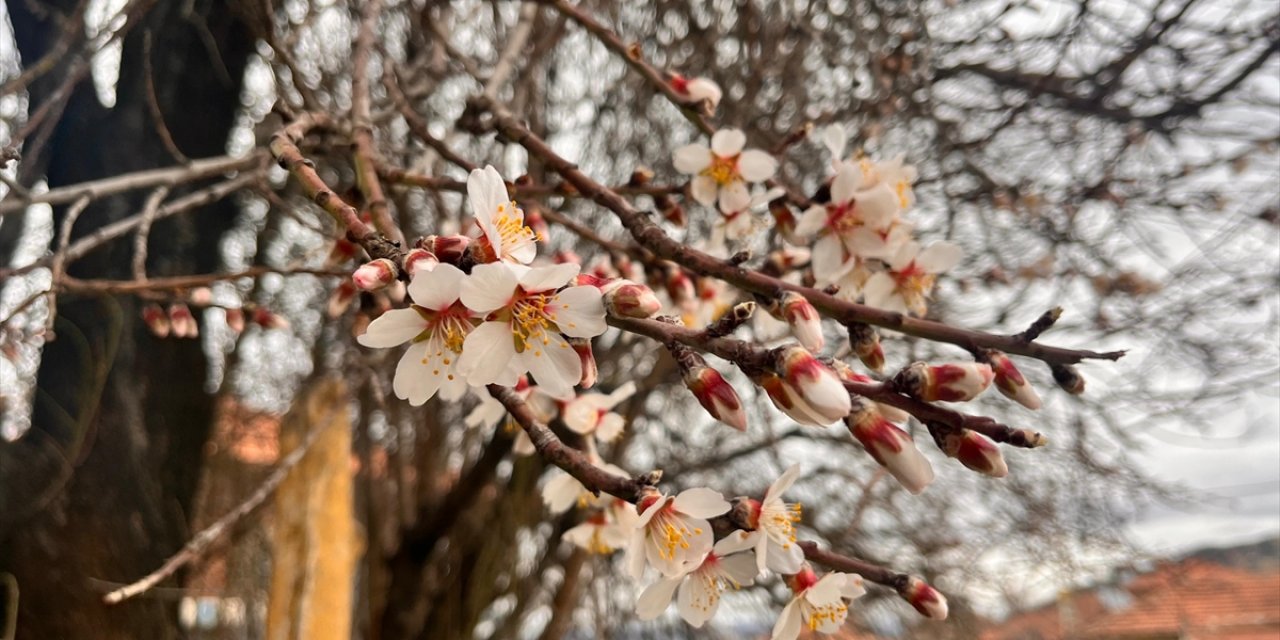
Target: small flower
[[975, 452], [850, 209], [672, 532], [697, 89], [375, 274], [819, 605], [527, 319], [959, 382], [910, 278], [741, 223], [606, 530], [774, 522], [563, 491], [1010, 381], [728, 564], [436, 325], [715, 395], [813, 383], [592, 413], [721, 172], [925, 599], [505, 237], [893, 448]]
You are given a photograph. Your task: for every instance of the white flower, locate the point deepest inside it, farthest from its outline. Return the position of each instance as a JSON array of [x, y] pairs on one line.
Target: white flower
[[818, 605], [605, 530], [728, 564], [592, 413], [563, 491], [741, 223], [909, 280], [436, 325], [775, 524], [673, 532], [526, 318], [854, 217], [505, 236], [721, 172]]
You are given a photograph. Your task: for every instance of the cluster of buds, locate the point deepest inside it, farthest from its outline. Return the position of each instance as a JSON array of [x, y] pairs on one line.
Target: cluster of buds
[[924, 598], [1010, 381], [865, 342], [808, 391], [176, 321], [710, 388], [623, 298], [795, 310], [973, 450], [958, 382], [890, 446]]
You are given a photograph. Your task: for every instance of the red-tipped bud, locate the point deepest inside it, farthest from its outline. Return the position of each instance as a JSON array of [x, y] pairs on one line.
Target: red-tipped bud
[[975, 452], [799, 314], [1068, 378], [629, 300], [671, 210], [1011, 382], [947, 382], [375, 274], [268, 320], [865, 341], [680, 287], [802, 580], [341, 298], [892, 447], [784, 220], [567, 256], [716, 395], [582, 346], [235, 319], [342, 252], [446, 248], [815, 383], [419, 260], [157, 320], [534, 219], [924, 598], [697, 90], [182, 323], [201, 297]]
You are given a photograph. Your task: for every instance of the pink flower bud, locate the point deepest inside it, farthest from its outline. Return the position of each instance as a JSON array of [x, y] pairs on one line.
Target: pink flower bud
[[343, 251], [341, 298], [589, 371], [680, 287], [419, 260], [924, 598], [975, 452], [157, 320], [892, 447], [182, 322], [947, 382], [235, 319], [815, 383], [803, 580], [697, 89], [446, 248], [1068, 378], [534, 219], [784, 220], [806, 324], [268, 320], [630, 300], [375, 274], [865, 341], [1011, 382], [201, 297], [716, 395]]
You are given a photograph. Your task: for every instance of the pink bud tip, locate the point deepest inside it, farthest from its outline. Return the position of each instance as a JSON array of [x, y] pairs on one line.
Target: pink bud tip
[[182, 323], [157, 320], [946, 382], [235, 320], [924, 598], [268, 320], [375, 274], [977, 453], [201, 296], [806, 324], [341, 298], [630, 300], [589, 370], [893, 448], [717, 396], [1010, 381], [815, 383], [419, 260]]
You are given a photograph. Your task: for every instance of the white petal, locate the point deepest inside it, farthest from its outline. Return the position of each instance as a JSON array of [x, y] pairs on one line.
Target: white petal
[[484, 194], [698, 600], [656, 598], [827, 259], [854, 589], [811, 221], [394, 327], [636, 555], [620, 395], [741, 567], [734, 542], [700, 502], [734, 197], [783, 483], [523, 446], [788, 625], [561, 492], [555, 365], [453, 390], [727, 143], [580, 416], [877, 206], [523, 251], [579, 312], [826, 591], [610, 427], [834, 138], [413, 380], [866, 244], [845, 183], [489, 287], [878, 290], [581, 535], [784, 560], [704, 190], [652, 510], [547, 278], [438, 288], [905, 254], [756, 166], [939, 257], [691, 158], [486, 353]]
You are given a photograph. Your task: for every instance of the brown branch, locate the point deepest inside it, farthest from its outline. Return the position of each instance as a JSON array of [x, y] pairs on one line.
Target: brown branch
[[366, 163]]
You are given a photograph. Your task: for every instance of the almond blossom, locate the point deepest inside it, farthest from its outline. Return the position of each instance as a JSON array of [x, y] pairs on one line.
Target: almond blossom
[[729, 563], [592, 413], [852, 208], [721, 172], [819, 605], [672, 532], [606, 530], [436, 325], [563, 491], [910, 278], [775, 521], [505, 238], [526, 321]]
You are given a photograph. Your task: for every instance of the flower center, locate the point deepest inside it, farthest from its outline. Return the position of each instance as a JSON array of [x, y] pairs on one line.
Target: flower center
[[533, 316], [722, 170], [671, 532], [818, 616], [446, 329], [509, 221], [780, 520], [843, 217]]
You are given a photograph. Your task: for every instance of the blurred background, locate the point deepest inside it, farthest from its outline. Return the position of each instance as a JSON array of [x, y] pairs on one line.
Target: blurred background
[[1116, 158]]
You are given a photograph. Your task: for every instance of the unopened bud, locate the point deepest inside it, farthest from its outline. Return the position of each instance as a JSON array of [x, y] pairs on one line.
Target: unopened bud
[[805, 389], [201, 297], [419, 260], [1068, 378], [375, 274], [641, 176], [716, 395], [799, 314], [924, 598], [697, 90], [235, 319], [784, 220], [446, 248], [680, 287], [1010, 381], [582, 346], [341, 298], [865, 341], [157, 320], [973, 450], [628, 299], [182, 322], [948, 382], [343, 251], [671, 210], [268, 320], [893, 448], [537, 223]]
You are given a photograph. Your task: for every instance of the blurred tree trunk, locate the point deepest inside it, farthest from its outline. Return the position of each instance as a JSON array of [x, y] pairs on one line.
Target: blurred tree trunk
[[101, 486]]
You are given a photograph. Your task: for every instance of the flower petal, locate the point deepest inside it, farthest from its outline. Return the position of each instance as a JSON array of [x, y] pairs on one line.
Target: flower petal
[[756, 166], [784, 560], [394, 327], [561, 492], [579, 312], [828, 259], [691, 158], [438, 288], [788, 625], [485, 195], [834, 138], [811, 221], [610, 427], [704, 190], [636, 555], [783, 483], [550, 277], [489, 287], [879, 289], [734, 542], [727, 143], [826, 590], [698, 600], [701, 502], [486, 353], [845, 183], [905, 254], [413, 381], [554, 365], [939, 257], [734, 197], [741, 567], [656, 598]]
